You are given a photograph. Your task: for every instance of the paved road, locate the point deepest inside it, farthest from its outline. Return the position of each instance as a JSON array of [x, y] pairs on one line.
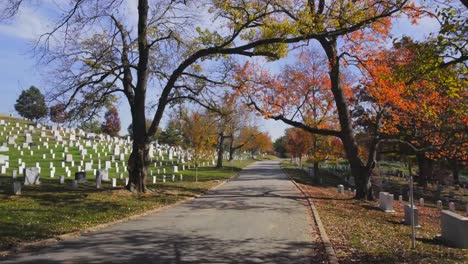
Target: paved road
[[257, 218]]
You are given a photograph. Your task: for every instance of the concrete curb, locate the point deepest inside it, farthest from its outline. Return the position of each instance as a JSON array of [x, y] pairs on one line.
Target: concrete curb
[[332, 259], [30, 246]]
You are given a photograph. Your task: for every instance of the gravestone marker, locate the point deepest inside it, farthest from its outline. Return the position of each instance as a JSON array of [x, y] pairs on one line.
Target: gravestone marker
[[454, 228], [452, 206], [407, 219], [104, 174], [69, 158], [11, 140], [386, 202], [74, 184], [340, 189], [4, 159], [16, 188], [29, 138], [88, 166], [62, 179], [31, 176], [80, 176]]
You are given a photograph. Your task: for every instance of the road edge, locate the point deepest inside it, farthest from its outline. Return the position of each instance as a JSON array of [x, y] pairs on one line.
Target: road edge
[[332, 259]]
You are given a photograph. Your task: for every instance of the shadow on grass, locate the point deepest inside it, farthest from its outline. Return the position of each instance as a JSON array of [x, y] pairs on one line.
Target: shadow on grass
[[409, 257], [434, 241], [394, 222], [371, 208]]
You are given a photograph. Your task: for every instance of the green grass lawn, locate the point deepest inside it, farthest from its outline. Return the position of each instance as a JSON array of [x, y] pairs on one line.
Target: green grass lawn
[[51, 209], [360, 233]]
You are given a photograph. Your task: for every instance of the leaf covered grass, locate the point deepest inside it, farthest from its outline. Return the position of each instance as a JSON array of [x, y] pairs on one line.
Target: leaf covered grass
[[51, 209], [361, 233]]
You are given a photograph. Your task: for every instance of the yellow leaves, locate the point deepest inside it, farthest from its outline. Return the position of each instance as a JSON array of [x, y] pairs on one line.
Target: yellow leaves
[[208, 38]]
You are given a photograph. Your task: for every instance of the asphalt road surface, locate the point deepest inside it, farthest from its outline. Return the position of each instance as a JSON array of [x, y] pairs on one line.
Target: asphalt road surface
[[259, 217]]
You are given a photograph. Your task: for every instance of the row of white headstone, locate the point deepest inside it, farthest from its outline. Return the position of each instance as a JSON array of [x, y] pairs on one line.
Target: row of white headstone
[[454, 226]]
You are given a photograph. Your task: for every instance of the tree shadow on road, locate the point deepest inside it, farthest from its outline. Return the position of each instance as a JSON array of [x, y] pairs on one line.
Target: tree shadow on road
[[165, 246]]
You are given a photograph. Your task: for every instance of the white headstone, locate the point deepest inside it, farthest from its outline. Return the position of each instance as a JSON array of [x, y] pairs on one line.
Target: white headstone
[[16, 188], [407, 219], [454, 228], [452, 206], [4, 159], [31, 176], [88, 166], [340, 189], [386, 202], [69, 158]]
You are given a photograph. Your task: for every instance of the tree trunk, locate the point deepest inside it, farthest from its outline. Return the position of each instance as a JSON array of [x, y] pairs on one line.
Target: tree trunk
[[138, 168], [455, 171], [231, 149], [219, 163], [425, 168], [360, 172], [139, 159], [316, 169]]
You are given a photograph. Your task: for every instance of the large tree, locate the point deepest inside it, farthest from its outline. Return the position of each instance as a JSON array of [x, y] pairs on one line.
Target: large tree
[[200, 136], [350, 31], [423, 109], [111, 124], [31, 104], [99, 54], [58, 114], [298, 143]]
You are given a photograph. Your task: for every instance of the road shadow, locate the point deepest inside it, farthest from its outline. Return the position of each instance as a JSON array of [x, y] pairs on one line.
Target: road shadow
[[165, 246]]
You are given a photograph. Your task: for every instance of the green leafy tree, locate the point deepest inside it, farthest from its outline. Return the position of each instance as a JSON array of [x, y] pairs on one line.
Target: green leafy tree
[[91, 126], [31, 104], [280, 146], [171, 135]]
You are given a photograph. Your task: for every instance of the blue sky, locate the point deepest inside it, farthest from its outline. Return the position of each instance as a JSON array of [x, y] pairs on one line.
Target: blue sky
[[18, 68]]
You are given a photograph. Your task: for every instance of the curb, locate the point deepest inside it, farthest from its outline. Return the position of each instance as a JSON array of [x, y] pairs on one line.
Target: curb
[[30, 246], [332, 259]]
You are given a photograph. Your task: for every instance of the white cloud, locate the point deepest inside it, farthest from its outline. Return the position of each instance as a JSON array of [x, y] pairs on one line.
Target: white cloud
[[29, 24], [425, 26]]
